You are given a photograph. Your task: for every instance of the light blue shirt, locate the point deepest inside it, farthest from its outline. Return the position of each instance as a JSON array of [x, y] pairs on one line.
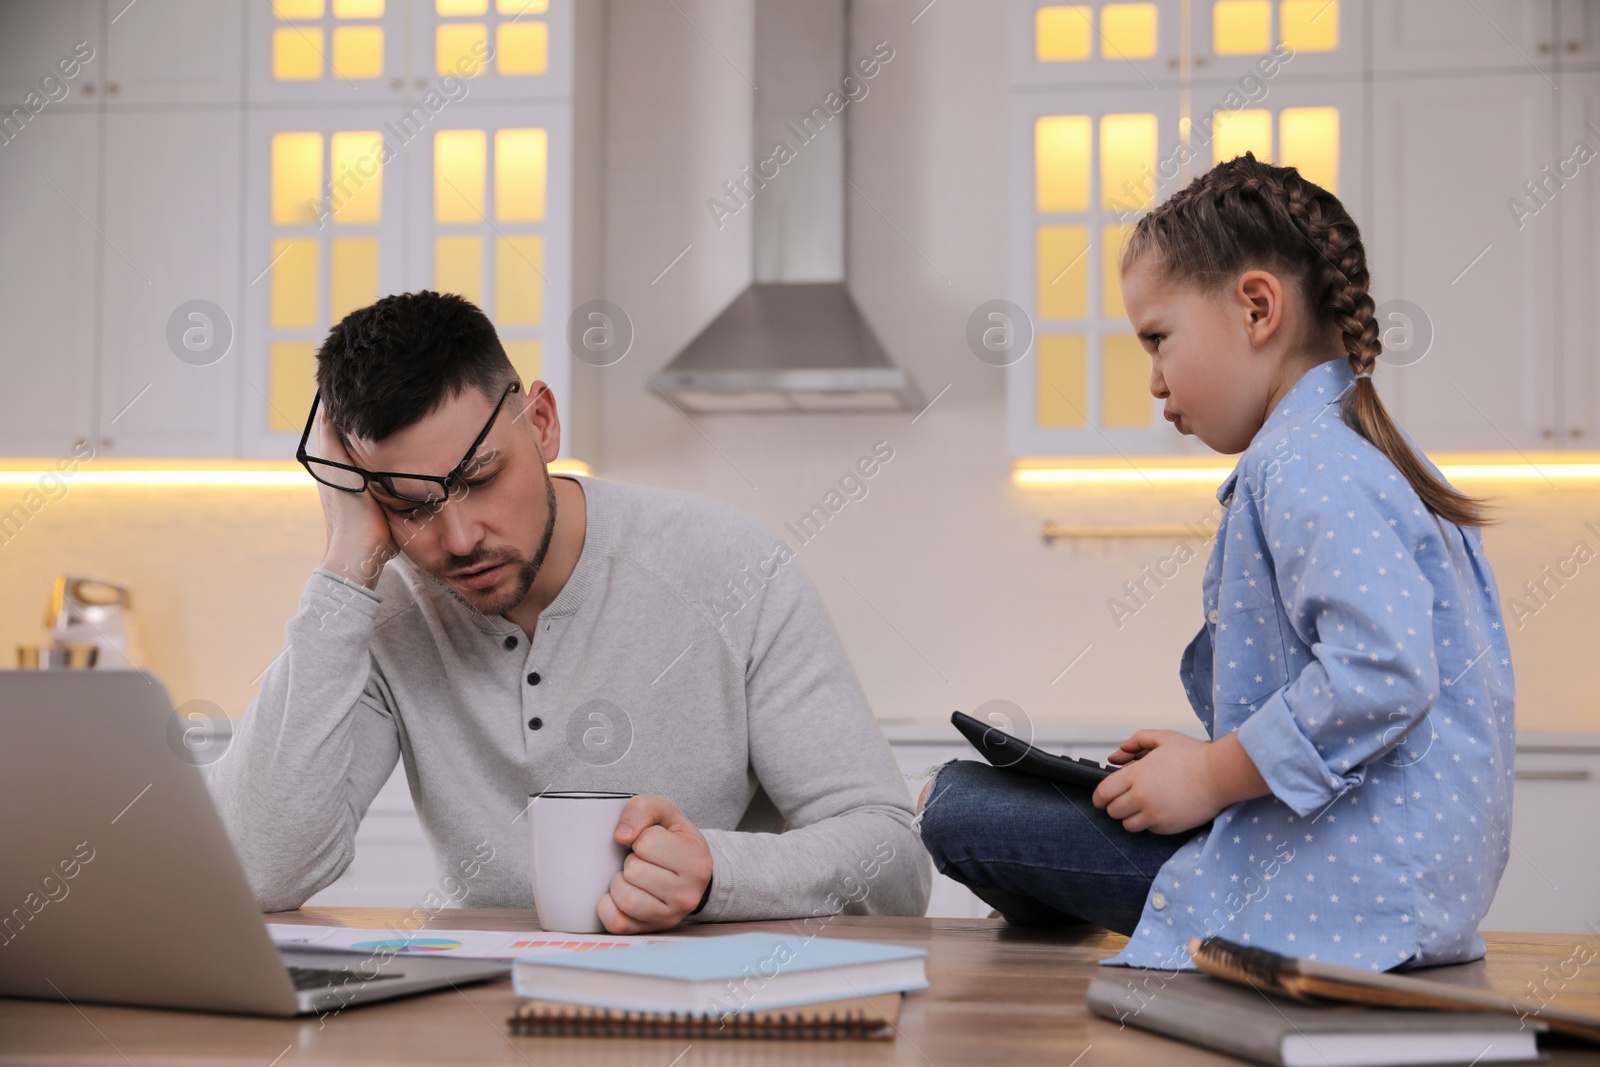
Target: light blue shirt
[[1355, 642]]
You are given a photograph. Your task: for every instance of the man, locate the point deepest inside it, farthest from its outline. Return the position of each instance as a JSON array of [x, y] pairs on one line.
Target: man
[[505, 632]]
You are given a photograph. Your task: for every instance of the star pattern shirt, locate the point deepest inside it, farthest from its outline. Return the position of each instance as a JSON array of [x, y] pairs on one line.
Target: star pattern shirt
[[1354, 640]]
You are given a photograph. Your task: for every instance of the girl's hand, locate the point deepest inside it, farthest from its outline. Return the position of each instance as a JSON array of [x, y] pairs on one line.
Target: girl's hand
[[1169, 782]]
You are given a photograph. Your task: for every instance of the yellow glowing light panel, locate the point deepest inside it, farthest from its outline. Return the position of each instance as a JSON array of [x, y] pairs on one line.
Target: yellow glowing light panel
[[1061, 147], [296, 178], [458, 266], [1063, 382], [297, 53], [1309, 25], [1237, 132], [1063, 33], [521, 48], [460, 168], [1308, 138], [1128, 31], [1127, 161], [358, 52], [521, 160], [354, 275], [1112, 239], [357, 176], [1125, 399], [1063, 272]]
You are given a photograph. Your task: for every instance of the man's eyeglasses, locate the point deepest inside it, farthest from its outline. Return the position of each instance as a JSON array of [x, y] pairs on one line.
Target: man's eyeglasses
[[412, 488]]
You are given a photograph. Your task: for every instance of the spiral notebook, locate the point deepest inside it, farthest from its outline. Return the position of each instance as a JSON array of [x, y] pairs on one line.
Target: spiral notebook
[[868, 1018]]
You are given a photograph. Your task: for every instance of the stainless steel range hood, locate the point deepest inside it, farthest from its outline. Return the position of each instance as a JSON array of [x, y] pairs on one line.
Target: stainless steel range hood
[[794, 340]]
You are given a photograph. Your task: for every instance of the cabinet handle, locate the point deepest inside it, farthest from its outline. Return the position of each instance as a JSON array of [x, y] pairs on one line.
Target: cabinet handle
[[112, 88], [79, 443], [1574, 45], [105, 442], [88, 88], [1547, 433], [1576, 774], [1544, 48], [1575, 432]]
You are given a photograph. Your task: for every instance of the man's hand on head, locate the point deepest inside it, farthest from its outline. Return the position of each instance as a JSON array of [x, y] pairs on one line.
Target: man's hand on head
[[665, 877], [359, 539]]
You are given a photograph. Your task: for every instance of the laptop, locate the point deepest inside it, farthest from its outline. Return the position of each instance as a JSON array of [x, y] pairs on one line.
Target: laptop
[[118, 882]]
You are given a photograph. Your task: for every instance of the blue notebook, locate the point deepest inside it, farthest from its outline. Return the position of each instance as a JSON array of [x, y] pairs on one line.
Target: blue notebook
[[722, 975]]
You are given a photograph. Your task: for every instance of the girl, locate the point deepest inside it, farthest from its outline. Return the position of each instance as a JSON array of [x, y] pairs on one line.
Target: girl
[[1354, 802]]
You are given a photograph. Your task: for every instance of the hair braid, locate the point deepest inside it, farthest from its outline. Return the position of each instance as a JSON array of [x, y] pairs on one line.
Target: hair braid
[[1243, 214]]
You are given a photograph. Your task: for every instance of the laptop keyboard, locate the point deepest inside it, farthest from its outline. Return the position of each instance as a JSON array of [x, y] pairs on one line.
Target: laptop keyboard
[[305, 978]]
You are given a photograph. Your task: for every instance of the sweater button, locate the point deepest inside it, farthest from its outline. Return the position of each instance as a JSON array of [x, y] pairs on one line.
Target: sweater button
[[511, 640], [1157, 901], [533, 679], [1212, 616], [535, 722]]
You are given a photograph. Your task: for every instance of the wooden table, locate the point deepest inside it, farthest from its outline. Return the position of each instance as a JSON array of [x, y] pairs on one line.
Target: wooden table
[[998, 995]]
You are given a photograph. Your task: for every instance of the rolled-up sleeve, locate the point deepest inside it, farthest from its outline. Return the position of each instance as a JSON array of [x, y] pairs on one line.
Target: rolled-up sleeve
[[1353, 591]]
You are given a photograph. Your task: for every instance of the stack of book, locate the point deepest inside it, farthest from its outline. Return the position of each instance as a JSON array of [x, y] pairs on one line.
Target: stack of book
[[741, 985], [1277, 1010]]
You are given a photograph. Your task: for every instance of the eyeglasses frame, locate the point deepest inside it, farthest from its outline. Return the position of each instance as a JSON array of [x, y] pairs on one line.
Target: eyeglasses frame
[[385, 478]]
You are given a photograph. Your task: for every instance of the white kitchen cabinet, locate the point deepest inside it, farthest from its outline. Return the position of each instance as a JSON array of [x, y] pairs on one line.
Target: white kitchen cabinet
[[328, 53], [372, 51], [174, 52], [1090, 160], [324, 230], [49, 215], [1552, 880], [488, 221], [172, 211], [1577, 218], [1084, 44], [1323, 39], [527, 45], [1442, 237], [36, 37], [1105, 155], [1434, 35], [1577, 34]]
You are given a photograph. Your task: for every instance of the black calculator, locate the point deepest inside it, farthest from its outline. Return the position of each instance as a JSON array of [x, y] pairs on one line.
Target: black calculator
[[1015, 754]]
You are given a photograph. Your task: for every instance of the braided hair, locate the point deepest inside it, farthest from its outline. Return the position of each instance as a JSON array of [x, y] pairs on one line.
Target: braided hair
[[1245, 214]]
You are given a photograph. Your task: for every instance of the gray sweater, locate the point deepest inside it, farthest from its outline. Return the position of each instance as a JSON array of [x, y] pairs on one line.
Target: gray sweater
[[687, 655]]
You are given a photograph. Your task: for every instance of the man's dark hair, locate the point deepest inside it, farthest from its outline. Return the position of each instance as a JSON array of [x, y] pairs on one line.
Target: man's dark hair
[[387, 366]]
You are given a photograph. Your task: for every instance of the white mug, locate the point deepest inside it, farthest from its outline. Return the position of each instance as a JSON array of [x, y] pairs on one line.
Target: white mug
[[573, 853]]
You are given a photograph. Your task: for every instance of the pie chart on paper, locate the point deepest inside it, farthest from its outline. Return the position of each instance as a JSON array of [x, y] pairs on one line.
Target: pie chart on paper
[[415, 944]]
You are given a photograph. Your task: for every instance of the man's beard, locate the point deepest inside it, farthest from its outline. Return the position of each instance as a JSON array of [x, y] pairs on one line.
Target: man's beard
[[526, 570]]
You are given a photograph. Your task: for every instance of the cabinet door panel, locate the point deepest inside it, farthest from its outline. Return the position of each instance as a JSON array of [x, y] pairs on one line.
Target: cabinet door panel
[[35, 38], [324, 210], [336, 57], [1442, 237], [1135, 44], [175, 52], [172, 208], [1412, 35], [1552, 881], [49, 216], [521, 50], [485, 220], [1577, 213], [1577, 32], [1322, 39]]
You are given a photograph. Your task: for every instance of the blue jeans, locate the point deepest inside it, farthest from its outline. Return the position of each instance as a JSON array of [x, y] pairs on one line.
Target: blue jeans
[[1040, 852]]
